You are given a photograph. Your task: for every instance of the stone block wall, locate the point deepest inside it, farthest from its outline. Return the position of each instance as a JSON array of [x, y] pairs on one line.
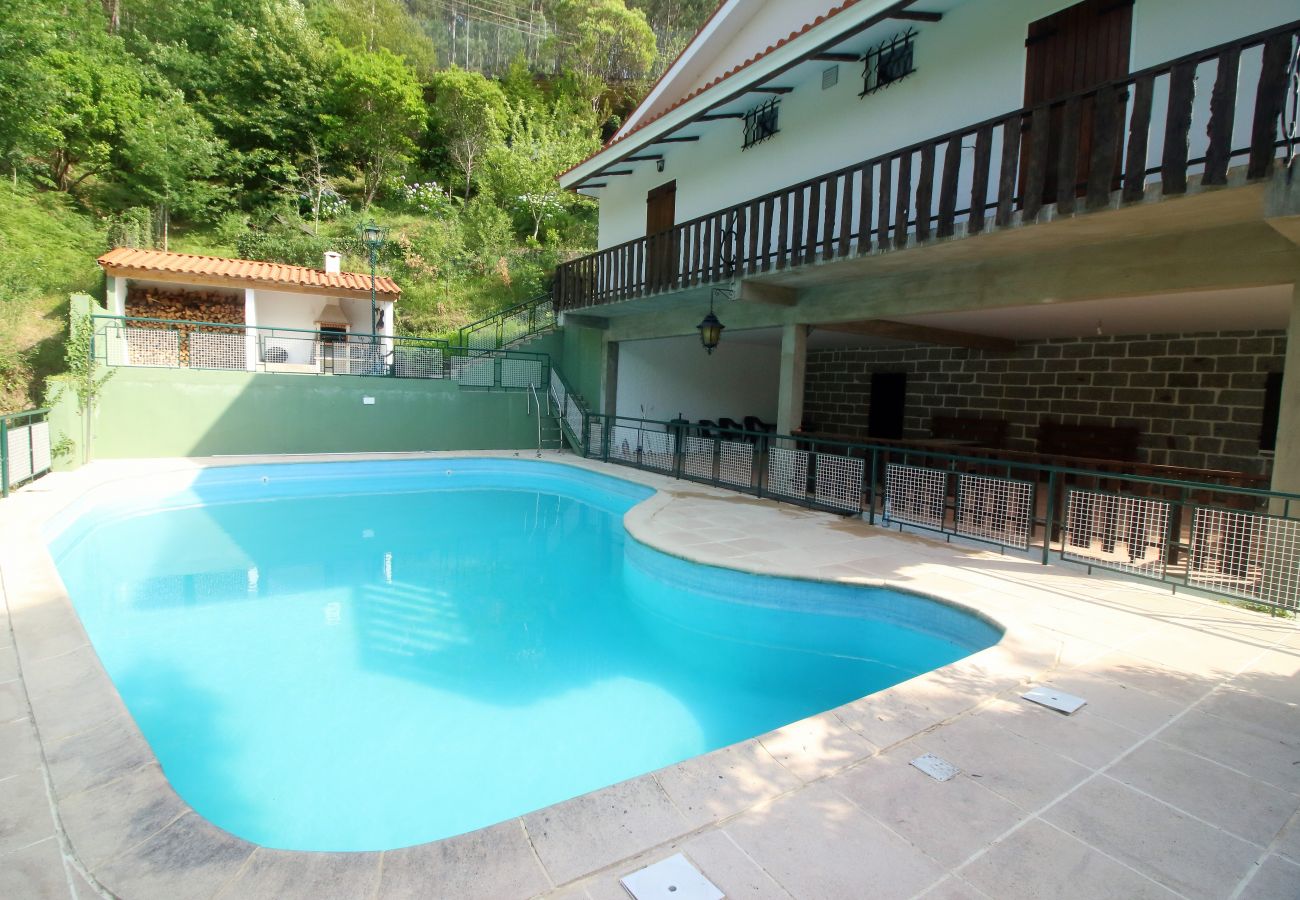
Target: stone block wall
[[1197, 398]]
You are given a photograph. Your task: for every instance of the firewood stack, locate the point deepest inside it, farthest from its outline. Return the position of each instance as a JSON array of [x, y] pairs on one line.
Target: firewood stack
[[180, 306]]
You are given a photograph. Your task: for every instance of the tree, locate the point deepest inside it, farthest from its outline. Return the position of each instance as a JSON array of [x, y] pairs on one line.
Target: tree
[[522, 174], [602, 41], [253, 68], [467, 118], [27, 89], [373, 110], [372, 25], [167, 158], [92, 113]]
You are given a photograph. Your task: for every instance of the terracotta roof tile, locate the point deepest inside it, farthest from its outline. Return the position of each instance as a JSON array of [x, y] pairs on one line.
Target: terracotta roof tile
[[730, 73], [161, 262]]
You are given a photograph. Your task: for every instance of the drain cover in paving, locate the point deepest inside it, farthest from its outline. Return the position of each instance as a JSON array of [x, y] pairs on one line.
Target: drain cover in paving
[[1053, 699], [937, 768], [673, 878]]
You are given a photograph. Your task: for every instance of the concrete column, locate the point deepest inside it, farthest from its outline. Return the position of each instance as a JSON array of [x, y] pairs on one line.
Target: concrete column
[[609, 380], [117, 295], [794, 358], [251, 335], [1286, 458]]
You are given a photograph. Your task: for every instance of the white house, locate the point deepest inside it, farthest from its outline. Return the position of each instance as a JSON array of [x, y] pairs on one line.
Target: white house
[[1032, 212], [256, 316]]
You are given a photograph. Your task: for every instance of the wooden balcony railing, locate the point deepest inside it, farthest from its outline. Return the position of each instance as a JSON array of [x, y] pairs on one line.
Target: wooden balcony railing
[[1076, 152]]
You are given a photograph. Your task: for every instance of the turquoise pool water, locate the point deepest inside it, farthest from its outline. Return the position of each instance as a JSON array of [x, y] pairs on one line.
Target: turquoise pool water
[[363, 656]]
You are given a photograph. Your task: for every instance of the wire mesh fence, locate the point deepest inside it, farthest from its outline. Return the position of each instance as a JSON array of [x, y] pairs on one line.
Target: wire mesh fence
[[161, 343], [1237, 541], [25, 448]]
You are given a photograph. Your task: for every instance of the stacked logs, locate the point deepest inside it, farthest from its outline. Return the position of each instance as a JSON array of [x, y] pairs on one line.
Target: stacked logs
[[178, 306]]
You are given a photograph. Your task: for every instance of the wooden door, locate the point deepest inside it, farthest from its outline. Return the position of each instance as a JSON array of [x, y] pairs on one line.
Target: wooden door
[[661, 246], [1069, 52]]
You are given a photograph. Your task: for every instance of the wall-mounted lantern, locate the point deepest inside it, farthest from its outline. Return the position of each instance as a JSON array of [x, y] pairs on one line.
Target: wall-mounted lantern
[[710, 328]]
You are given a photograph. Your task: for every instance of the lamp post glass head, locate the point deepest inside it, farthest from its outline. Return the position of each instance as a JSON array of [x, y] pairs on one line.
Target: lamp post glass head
[[372, 236]]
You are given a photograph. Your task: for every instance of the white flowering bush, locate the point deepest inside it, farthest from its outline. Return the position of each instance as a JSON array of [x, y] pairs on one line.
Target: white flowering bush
[[428, 198]]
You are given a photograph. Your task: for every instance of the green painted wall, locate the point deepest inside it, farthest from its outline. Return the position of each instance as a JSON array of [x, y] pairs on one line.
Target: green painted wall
[[182, 412], [582, 361]]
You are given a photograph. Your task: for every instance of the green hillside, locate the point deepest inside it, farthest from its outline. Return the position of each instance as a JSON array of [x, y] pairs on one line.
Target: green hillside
[[272, 129]]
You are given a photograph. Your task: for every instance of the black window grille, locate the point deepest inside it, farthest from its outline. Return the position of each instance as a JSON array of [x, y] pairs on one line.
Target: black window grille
[[888, 63], [760, 123]]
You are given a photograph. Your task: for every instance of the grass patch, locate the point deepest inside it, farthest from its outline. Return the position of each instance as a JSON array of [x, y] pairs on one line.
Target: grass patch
[[47, 251]]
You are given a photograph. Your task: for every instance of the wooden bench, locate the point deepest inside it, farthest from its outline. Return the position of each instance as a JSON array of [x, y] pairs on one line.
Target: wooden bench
[[1106, 442], [977, 432]]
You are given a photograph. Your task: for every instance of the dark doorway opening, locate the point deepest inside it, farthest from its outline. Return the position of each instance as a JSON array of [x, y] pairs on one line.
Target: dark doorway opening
[[888, 401]]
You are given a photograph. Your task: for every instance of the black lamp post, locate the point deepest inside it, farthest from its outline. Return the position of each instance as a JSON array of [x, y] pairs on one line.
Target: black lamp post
[[373, 237], [710, 329]]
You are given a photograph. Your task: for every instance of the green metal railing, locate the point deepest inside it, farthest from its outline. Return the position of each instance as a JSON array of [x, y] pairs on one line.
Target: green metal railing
[[510, 325], [24, 448], [173, 344], [1215, 534], [570, 410]]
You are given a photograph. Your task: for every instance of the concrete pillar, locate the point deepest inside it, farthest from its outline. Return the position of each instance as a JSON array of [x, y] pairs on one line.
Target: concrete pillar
[[1280, 557], [117, 295], [794, 359], [1286, 458], [609, 380], [251, 341]]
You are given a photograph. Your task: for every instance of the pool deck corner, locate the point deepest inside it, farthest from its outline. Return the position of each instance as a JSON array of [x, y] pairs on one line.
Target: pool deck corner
[[1179, 778]]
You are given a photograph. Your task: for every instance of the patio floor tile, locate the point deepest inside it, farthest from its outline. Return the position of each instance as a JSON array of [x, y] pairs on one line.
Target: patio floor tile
[[1276, 879], [587, 833], [1039, 861], [1270, 759], [112, 818], [275, 874], [494, 863], [1245, 807], [719, 784], [34, 873], [1014, 767], [949, 820], [821, 845], [188, 859], [1191, 857]]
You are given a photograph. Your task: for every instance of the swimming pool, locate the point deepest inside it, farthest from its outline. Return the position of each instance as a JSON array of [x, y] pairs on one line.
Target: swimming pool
[[363, 656]]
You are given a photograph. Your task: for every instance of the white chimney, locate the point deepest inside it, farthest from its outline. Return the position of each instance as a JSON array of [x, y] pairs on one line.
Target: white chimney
[[332, 261]]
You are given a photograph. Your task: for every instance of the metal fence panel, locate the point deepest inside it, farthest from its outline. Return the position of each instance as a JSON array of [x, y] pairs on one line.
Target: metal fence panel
[[415, 361], [697, 457], [521, 373], [1245, 554], [595, 438], [1000, 510], [1128, 534], [475, 371], [838, 482], [736, 464], [658, 450], [41, 453], [787, 473], [218, 350], [915, 495], [20, 454], [152, 347]]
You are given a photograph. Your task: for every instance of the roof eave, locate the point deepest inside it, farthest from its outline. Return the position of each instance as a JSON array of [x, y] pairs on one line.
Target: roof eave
[[747, 75]]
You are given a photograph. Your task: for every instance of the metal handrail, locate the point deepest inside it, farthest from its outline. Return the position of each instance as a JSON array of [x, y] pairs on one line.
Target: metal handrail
[[498, 318], [532, 389]]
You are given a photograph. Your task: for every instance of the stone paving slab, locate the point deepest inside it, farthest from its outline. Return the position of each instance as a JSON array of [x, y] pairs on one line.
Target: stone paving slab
[[1179, 778]]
